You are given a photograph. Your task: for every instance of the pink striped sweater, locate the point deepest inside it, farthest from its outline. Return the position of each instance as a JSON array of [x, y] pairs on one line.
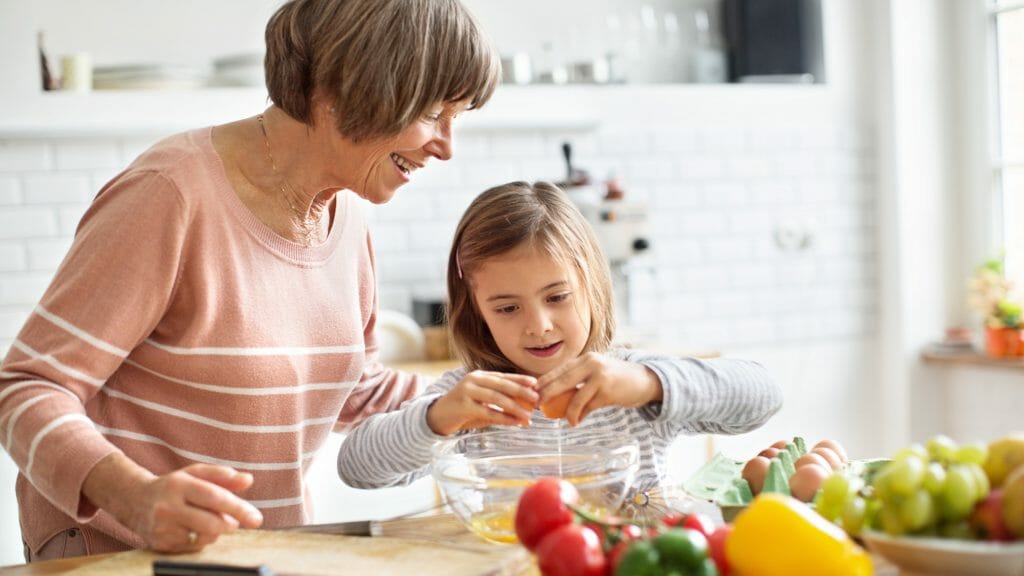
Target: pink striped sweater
[[181, 329]]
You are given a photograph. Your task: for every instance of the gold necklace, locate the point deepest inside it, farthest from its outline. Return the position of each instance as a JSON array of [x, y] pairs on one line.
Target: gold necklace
[[309, 229]]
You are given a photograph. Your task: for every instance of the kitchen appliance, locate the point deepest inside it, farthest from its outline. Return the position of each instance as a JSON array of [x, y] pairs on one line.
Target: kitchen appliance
[[428, 311], [620, 224], [775, 40]]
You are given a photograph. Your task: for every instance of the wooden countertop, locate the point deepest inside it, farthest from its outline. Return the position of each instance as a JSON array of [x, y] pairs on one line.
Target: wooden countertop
[[422, 540], [436, 545]]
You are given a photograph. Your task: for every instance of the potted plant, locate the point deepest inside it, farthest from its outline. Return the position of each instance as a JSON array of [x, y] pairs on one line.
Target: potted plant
[[991, 295]]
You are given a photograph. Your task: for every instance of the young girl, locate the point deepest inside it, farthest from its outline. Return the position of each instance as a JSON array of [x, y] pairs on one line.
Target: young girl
[[530, 314]]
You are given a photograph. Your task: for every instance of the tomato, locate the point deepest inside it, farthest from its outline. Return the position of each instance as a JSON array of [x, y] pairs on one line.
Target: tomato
[[631, 532], [696, 521], [640, 559], [542, 508], [614, 555], [604, 534], [716, 548], [571, 550], [673, 520], [681, 548], [699, 522]]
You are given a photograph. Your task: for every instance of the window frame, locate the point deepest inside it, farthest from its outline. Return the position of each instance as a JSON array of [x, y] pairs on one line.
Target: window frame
[[999, 161]]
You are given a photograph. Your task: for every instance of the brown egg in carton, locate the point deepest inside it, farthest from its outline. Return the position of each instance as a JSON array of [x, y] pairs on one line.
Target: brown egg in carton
[[789, 468]]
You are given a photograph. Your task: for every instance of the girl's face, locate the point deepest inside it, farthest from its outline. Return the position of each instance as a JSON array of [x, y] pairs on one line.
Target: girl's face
[[532, 305]]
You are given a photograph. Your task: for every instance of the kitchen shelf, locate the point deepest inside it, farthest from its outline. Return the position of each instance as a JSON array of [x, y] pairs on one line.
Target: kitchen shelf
[[969, 358], [538, 107]]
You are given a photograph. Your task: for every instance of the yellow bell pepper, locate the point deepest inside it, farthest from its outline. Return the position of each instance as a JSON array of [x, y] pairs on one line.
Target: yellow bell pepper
[[780, 536]]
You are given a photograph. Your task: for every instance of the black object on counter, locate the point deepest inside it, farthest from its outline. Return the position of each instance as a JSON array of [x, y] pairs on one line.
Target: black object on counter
[[428, 312], [573, 176], [172, 568], [49, 82]]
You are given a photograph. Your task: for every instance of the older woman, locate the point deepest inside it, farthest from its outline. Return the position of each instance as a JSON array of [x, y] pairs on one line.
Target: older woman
[[214, 318]]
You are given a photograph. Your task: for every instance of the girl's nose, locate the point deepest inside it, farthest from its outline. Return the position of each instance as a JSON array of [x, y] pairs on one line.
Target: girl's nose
[[540, 323]]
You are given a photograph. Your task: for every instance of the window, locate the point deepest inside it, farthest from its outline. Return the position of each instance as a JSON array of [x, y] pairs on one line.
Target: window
[[1008, 163]]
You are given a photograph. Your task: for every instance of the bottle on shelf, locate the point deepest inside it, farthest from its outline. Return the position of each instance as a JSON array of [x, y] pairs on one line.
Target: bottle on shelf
[[708, 63]]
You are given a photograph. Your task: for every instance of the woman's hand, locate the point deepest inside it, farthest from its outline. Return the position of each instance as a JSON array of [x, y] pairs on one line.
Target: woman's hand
[[166, 511], [484, 399], [599, 381]]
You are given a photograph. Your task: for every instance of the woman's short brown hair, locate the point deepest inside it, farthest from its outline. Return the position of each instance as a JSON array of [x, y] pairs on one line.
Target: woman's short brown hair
[[507, 217], [382, 64]]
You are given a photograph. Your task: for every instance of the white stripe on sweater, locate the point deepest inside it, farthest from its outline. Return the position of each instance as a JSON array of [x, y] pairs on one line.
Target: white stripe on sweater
[[219, 424], [15, 414], [54, 424], [81, 334], [278, 503], [247, 390], [32, 383], [63, 368], [196, 457], [276, 351]]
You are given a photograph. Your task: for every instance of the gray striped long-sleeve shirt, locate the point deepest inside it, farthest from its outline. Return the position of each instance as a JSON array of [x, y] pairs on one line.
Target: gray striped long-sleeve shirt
[[717, 396]]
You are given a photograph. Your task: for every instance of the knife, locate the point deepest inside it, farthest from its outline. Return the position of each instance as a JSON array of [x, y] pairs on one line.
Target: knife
[[364, 527], [173, 568], [352, 528]]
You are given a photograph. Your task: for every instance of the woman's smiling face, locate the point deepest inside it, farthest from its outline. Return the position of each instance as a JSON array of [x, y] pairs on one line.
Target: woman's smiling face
[[533, 308], [388, 164]]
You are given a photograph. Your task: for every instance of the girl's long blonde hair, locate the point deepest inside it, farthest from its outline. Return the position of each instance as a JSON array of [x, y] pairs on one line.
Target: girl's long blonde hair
[[507, 217]]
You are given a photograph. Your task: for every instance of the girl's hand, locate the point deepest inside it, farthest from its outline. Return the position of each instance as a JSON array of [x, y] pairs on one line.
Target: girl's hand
[[599, 381], [166, 510], [484, 399]]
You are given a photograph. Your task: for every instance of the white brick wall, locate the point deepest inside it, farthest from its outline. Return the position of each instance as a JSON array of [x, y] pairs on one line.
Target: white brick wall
[[714, 279], [717, 197]]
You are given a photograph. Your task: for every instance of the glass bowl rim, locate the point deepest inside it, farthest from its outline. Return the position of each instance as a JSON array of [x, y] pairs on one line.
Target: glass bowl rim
[[621, 440], [602, 454]]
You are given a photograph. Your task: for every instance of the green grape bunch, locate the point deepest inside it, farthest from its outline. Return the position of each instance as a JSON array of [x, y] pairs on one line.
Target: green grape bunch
[[928, 490]]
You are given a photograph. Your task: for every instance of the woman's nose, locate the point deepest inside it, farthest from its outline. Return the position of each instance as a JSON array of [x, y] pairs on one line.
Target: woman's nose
[[443, 143]]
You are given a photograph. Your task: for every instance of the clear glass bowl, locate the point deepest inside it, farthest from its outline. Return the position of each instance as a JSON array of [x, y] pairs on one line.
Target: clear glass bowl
[[481, 474]]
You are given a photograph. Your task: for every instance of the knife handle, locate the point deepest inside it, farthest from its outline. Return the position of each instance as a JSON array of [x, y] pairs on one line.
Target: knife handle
[[172, 568]]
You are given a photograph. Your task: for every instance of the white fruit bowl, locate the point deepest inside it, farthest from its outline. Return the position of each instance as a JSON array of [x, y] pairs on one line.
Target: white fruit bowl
[[921, 556]]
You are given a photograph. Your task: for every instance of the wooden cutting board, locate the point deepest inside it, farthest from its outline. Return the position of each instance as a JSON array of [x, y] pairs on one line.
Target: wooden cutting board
[[424, 547]]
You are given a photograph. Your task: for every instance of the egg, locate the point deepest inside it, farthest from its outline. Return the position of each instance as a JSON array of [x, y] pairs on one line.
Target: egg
[[804, 483], [780, 444], [769, 453], [812, 458], [754, 472], [835, 447], [828, 454]]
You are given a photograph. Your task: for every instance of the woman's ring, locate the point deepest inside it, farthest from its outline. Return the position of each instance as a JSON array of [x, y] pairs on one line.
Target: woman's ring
[[192, 537]]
